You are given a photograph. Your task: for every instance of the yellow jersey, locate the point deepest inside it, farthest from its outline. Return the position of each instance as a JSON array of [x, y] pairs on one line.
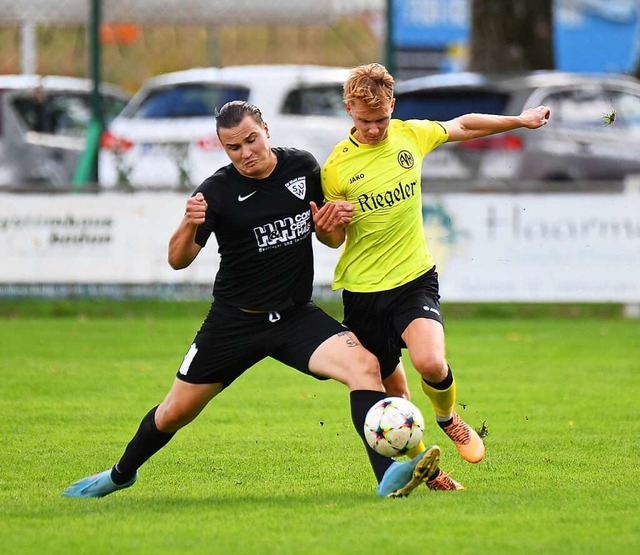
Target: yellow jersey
[[385, 245]]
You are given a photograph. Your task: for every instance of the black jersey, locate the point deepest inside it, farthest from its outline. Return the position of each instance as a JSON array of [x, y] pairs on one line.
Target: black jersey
[[263, 228]]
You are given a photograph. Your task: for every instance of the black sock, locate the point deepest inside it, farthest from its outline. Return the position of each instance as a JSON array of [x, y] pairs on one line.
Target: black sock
[[444, 384], [147, 441], [361, 401]]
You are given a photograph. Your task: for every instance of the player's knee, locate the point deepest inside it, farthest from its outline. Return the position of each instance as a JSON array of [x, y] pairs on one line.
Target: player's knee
[[171, 417], [431, 366], [397, 390], [372, 365], [368, 370]]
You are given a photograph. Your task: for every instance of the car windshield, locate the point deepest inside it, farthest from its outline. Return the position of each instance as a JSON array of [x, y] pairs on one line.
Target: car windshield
[[320, 100], [62, 113], [443, 105], [596, 109], [187, 101]]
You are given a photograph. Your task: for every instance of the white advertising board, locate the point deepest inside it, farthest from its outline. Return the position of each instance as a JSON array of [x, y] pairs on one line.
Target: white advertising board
[[547, 248], [107, 238]]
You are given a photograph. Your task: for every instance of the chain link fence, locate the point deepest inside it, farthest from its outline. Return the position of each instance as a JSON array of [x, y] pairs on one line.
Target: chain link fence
[[52, 132], [143, 38]]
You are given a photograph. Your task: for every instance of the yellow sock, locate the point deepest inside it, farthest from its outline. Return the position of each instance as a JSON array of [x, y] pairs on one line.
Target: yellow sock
[[416, 450], [443, 400]]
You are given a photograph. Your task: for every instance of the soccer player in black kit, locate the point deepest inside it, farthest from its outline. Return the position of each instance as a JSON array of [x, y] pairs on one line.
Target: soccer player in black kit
[[262, 209]]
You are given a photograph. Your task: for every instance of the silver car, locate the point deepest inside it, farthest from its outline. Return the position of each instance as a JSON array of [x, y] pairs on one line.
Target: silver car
[[593, 134], [43, 126]]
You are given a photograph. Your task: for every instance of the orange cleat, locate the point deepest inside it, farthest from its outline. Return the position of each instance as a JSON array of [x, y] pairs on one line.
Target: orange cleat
[[443, 482], [466, 439]]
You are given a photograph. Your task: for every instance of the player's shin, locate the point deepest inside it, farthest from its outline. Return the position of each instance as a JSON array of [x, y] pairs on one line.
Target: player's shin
[[361, 401], [442, 396], [147, 441]]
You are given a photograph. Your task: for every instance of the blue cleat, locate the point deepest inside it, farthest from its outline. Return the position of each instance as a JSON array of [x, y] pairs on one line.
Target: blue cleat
[[401, 479], [97, 485]]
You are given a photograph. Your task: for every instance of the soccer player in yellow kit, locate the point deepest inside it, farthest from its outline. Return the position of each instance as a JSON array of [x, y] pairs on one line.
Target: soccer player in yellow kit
[[388, 276]]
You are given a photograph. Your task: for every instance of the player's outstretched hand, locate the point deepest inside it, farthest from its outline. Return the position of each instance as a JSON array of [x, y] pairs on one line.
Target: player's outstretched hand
[[196, 209], [332, 215], [532, 118]]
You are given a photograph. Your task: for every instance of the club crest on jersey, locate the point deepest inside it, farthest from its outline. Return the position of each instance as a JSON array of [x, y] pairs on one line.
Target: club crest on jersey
[[405, 159], [298, 186]]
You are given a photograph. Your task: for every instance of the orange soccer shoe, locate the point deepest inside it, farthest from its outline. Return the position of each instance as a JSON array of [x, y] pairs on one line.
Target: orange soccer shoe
[[466, 439], [443, 482]]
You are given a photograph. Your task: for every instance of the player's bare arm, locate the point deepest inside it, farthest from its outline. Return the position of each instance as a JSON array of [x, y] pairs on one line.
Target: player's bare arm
[[474, 126], [330, 221], [182, 246]]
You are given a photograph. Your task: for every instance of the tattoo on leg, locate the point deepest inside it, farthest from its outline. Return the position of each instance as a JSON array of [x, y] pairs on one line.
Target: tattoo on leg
[[351, 342]]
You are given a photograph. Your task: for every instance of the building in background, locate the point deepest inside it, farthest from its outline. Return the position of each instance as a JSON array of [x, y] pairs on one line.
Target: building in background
[[431, 36]]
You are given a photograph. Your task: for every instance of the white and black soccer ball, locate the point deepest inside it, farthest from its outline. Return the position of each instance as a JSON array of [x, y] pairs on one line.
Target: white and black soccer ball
[[393, 426]]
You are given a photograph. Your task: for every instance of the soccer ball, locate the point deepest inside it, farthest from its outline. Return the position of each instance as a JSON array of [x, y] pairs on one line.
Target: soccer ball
[[393, 426]]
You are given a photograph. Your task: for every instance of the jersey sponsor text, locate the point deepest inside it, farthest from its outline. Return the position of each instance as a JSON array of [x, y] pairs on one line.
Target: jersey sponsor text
[[403, 191], [285, 231]]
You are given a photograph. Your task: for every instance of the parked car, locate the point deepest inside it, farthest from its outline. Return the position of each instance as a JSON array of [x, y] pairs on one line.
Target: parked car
[[166, 138], [579, 143], [43, 123]]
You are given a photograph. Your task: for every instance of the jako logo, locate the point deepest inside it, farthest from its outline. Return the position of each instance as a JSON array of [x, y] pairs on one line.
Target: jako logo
[[431, 309], [356, 178]]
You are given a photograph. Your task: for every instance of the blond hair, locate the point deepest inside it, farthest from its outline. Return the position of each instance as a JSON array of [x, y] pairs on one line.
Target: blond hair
[[370, 83]]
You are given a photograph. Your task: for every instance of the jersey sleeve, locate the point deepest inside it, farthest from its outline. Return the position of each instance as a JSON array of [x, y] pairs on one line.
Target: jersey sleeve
[[318, 195], [330, 184], [208, 227], [314, 175], [430, 134]]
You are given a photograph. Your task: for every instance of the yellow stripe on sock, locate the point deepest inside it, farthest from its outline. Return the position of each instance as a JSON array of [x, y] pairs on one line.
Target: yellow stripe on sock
[[416, 450], [443, 400]]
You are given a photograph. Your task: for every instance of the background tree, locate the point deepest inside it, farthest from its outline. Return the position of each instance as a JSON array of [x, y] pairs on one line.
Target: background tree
[[511, 35]]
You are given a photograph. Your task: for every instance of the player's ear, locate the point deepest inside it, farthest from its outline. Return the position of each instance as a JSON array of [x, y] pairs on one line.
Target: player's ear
[[393, 104], [266, 130]]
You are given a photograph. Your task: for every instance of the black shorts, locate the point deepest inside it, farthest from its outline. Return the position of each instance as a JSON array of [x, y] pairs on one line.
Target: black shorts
[[230, 341], [378, 319]]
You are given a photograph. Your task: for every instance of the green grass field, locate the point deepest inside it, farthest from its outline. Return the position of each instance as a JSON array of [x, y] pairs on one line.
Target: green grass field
[[274, 466]]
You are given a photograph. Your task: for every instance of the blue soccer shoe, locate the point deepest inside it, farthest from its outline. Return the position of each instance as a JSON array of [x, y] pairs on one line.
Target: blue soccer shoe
[[401, 479], [97, 485]]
